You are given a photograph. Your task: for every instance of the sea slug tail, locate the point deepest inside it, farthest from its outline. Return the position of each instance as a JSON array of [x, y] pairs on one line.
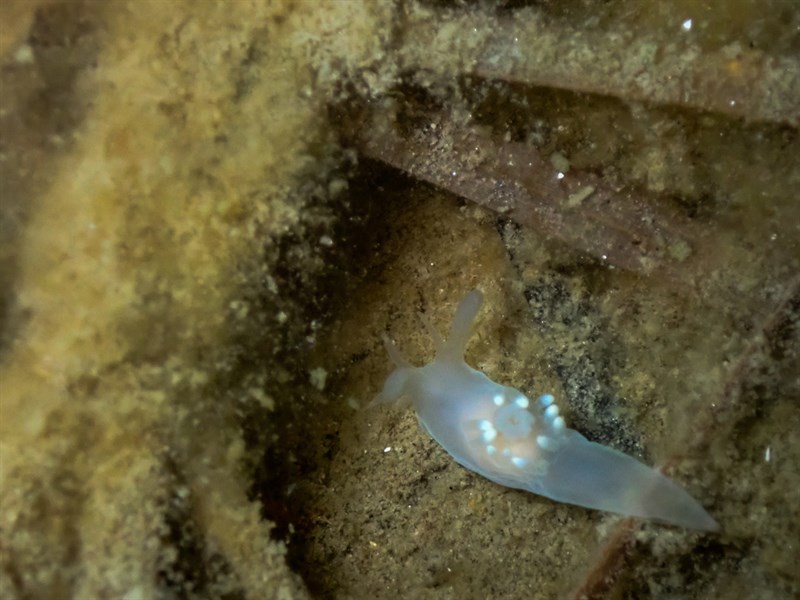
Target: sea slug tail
[[595, 476]]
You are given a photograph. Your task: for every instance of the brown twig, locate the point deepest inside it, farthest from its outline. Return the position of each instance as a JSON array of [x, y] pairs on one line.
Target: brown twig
[[621, 229], [735, 81], [609, 564], [737, 375]]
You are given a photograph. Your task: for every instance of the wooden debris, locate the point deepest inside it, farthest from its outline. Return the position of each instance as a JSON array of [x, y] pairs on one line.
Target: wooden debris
[[618, 228], [734, 80]]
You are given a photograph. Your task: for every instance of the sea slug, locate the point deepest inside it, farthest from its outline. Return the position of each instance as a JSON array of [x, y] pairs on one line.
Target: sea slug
[[498, 432]]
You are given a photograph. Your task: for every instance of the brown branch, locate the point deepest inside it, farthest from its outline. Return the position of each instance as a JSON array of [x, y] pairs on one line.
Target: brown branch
[[609, 564], [740, 370], [624, 230], [735, 81]]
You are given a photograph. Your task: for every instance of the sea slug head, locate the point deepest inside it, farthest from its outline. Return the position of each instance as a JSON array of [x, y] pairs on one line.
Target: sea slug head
[[395, 385]]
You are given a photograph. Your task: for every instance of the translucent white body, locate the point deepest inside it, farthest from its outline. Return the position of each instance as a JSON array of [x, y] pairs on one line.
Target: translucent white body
[[499, 433]]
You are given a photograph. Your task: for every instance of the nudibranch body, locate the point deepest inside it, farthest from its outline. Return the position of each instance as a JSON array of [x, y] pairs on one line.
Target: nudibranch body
[[499, 433]]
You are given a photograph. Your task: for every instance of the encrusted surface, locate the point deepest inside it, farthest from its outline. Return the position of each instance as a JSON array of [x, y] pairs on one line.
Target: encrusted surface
[[197, 270]]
